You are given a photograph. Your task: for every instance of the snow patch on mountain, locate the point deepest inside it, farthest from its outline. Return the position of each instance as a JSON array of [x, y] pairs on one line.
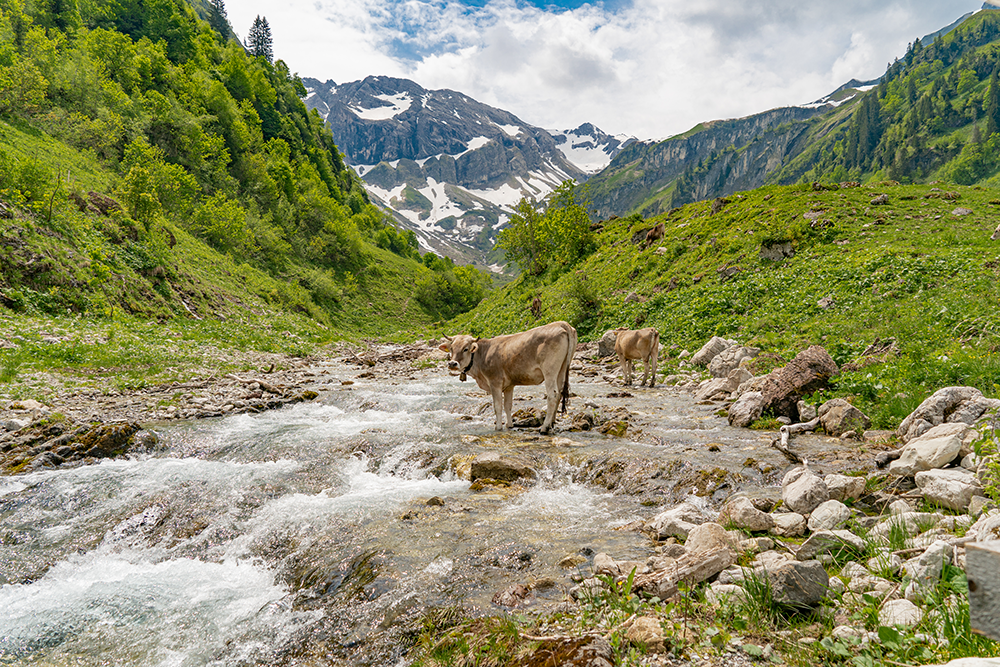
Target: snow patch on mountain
[[397, 104], [588, 148]]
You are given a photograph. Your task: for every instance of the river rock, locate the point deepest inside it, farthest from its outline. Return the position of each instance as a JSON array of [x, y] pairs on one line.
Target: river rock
[[987, 526], [807, 412], [502, 468], [740, 513], [788, 524], [722, 387], [900, 612], [825, 541], [952, 488], [747, 409], [830, 515], [646, 631], [719, 594], [606, 346], [838, 417], [925, 569], [678, 521], [935, 448], [809, 371], [843, 487], [802, 490], [605, 564], [708, 537], [730, 359], [710, 350], [948, 405], [798, 583]]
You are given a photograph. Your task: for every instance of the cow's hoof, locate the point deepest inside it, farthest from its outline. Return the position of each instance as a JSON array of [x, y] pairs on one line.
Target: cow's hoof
[[545, 431]]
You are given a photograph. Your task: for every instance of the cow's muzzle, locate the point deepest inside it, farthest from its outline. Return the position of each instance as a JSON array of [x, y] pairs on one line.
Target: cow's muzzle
[[453, 365]]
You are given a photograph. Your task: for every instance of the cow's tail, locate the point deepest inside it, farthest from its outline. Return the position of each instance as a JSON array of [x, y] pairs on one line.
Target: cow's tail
[[567, 362]]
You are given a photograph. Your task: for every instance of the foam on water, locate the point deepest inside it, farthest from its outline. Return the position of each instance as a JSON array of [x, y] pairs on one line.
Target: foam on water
[[168, 612], [565, 508]]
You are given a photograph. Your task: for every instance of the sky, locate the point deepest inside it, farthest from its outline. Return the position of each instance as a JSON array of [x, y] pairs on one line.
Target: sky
[[645, 68]]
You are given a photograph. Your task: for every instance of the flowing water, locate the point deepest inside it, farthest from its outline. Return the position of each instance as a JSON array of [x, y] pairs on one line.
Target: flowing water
[[304, 535]]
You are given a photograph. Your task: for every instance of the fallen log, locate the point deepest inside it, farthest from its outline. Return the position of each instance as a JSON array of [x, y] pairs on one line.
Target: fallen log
[[689, 569], [786, 432], [263, 384]]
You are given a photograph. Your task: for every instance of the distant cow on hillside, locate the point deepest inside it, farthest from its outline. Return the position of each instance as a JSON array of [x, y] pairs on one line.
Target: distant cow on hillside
[[643, 344], [653, 235], [499, 364]]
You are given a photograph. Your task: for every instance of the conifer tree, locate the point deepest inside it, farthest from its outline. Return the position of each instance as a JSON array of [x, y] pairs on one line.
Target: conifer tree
[[217, 17], [259, 39], [993, 104]]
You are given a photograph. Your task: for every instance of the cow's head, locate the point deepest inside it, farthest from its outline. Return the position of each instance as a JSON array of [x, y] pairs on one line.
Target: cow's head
[[461, 349], [996, 234]]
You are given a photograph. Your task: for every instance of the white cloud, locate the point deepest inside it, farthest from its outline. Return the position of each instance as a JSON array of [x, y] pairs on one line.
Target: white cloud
[[649, 67]]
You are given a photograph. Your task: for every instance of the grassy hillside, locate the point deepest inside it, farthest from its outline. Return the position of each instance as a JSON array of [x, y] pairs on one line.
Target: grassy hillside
[[935, 115], [151, 168], [917, 274]]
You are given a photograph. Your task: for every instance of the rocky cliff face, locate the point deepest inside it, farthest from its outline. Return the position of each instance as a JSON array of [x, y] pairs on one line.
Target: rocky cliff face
[[448, 166], [721, 148]]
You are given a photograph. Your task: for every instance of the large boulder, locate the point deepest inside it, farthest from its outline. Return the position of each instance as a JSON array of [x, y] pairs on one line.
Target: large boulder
[[843, 487], [606, 346], [935, 448], [747, 409], [838, 417], [809, 371], [709, 350], [948, 405], [730, 359]]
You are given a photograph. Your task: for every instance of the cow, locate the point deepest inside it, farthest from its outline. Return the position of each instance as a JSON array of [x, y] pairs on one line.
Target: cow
[[499, 364], [996, 234], [643, 344], [654, 234]]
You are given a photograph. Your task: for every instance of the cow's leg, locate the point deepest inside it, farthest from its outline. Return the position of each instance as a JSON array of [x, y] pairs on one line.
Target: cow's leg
[[652, 362], [498, 407], [508, 405], [551, 402], [622, 363], [645, 372]]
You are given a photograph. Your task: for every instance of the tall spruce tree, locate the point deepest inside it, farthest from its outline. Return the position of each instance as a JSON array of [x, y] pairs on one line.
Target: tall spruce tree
[[259, 39], [993, 104], [217, 17]]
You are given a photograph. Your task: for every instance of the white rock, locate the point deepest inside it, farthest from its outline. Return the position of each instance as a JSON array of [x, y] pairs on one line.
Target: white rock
[[802, 490], [952, 488], [740, 513], [830, 515], [844, 488], [934, 449], [788, 524], [718, 594], [708, 537], [900, 612], [677, 521]]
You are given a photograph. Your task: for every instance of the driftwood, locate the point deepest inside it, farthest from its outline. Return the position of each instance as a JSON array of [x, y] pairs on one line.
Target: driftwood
[[786, 432], [263, 384], [689, 568]]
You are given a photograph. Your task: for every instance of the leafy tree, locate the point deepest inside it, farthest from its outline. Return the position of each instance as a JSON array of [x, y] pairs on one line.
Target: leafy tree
[[559, 237], [447, 294], [259, 39]]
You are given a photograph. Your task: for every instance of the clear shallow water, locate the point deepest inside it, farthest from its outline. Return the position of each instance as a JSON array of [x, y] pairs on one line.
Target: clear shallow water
[[253, 539]]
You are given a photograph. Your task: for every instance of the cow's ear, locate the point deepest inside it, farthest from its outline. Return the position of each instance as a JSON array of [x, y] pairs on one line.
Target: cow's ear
[[444, 348], [475, 346]]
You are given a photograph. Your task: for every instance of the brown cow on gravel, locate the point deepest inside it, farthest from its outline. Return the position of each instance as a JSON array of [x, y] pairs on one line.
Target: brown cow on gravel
[[643, 344], [499, 364]]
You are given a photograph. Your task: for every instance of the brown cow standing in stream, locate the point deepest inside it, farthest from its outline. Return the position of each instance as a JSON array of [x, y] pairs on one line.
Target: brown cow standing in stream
[[643, 344], [499, 364]]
